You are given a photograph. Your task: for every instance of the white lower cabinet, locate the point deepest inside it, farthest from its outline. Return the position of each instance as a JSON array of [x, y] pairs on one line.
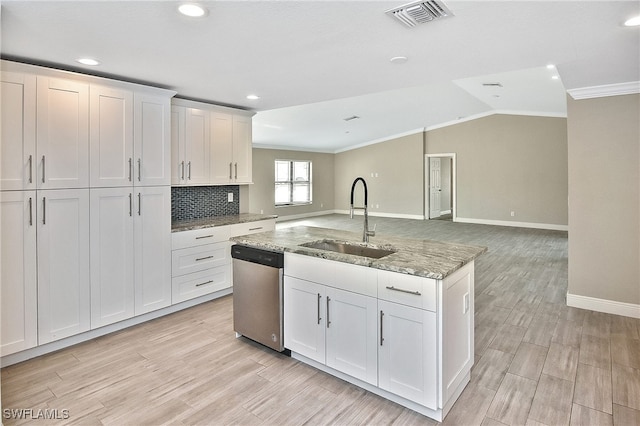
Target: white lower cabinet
[[130, 252], [18, 309], [407, 353], [63, 263], [304, 313]]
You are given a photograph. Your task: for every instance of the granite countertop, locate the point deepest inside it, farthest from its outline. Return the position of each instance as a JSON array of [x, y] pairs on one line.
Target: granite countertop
[[424, 258], [208, 222]]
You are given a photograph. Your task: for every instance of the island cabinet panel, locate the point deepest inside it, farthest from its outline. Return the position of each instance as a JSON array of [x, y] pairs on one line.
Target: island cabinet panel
[[304, 313], [351, 334], [408, 353], [457, 325]]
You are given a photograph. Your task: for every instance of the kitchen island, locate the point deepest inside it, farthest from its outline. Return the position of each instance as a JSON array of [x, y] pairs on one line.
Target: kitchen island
[[400, 325]]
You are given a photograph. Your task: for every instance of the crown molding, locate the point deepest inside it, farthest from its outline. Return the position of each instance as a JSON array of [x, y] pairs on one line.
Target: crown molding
[[618, 89]]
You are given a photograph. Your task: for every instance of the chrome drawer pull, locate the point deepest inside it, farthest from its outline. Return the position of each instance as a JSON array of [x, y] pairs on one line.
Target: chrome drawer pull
[[30, 169], [319, 297], [130, 168], [30, 212], [417, 293], [139, 170], [203, 258], [381, 318], [204, 283], [328, 320], [204, 236], [255, 229]]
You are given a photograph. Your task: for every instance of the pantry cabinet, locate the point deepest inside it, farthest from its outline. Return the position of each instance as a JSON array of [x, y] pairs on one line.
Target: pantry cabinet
[[62, 133], [152, 138], [18, 309], [63, 263], [18, 146]]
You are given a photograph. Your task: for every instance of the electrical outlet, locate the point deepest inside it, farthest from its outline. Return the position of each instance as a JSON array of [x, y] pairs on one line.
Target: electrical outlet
[[230, 197], [261, 211], [321, 205], [513, 213], [465, 307]]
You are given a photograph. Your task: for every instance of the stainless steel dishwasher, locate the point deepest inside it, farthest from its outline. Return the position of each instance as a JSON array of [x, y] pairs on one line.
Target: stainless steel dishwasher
[[257, 295]]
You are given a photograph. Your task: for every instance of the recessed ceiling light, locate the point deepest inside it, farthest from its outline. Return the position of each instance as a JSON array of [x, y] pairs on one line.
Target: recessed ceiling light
[[192, 10], [551, 66], [399, 60], [253, 97], [633, 22], [88, 61], [555, 77]]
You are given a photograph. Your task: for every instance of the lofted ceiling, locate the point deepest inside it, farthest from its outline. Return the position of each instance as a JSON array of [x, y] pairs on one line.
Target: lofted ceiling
[[315, 63]]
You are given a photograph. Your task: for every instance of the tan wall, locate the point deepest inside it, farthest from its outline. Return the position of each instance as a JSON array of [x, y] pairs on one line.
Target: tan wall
[[398, 189], [604, 198], [260, 195], [508, 163]]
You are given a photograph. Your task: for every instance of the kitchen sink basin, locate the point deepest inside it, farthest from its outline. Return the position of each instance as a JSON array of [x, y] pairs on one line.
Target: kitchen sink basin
[[349, 248]]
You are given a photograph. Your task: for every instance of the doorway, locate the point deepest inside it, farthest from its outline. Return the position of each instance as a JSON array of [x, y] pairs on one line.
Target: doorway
[[440, 186]]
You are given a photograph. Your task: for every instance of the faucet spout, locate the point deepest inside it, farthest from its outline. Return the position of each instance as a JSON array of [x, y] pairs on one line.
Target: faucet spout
[[366, 232]]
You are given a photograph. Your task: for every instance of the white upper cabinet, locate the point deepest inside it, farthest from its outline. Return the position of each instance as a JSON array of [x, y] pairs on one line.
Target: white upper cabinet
[[18, 143], [152, 139], [111, 136], [231, 156], [220, 154], [62, 133]]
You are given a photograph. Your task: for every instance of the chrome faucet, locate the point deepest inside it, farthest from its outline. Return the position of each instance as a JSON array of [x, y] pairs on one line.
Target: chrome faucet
[[366, 233]]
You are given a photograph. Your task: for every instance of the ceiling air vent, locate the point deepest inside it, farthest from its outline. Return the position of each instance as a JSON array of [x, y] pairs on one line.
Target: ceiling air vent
[[420, 12]]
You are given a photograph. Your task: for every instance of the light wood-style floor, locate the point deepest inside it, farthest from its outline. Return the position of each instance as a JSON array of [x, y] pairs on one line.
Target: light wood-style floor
[[538, 362]]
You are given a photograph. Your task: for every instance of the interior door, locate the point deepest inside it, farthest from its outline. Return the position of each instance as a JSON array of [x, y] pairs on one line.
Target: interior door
[[435, 187]]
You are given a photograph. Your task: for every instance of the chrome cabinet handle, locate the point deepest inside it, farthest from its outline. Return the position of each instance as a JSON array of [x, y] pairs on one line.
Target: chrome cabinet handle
[[255, 229], [31, 169], [189, 165], [130, 204], [182, 170], [44, 210], [381, 334], [43, 174], [236, 166], [204, 283], [417, 293], [203, 258], [130, 168], [30, 211], [319, 297], [204, 236], [139, 170], [230, 173], [328, 321], [139, 203]]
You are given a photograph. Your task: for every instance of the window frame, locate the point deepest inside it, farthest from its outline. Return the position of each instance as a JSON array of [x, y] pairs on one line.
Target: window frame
[[292, 183]]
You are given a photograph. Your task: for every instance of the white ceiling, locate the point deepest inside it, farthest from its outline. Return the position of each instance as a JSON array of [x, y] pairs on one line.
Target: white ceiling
[[314, 63]]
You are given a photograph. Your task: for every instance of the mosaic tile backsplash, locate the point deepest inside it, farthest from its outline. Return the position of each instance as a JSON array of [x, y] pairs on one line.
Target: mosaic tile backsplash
[[197, 202]]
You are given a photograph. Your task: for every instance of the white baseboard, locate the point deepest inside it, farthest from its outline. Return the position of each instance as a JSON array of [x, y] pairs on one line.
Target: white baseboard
[[380, 214], [533, 225], [603, 305], [304, 215]]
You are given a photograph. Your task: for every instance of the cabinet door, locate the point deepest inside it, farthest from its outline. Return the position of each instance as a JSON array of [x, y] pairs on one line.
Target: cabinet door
[[152, 242], [352, 334], [62, 134], [178, 162], [111, 136], [63, 264], [111, 255], [407, 358], [304, 311], [197, 146], [242, 145], [152, 133], [221, 148], [18, 139], [19, 314]]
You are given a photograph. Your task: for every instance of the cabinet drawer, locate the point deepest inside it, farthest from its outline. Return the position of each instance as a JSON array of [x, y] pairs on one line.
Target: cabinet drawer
[[407, 290], [308, 268], [199, 237], [200, 283], [199, 258], [252, 227]]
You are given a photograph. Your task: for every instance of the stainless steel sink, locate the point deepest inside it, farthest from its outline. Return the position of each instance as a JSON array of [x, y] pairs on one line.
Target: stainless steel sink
[[349, 248]]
